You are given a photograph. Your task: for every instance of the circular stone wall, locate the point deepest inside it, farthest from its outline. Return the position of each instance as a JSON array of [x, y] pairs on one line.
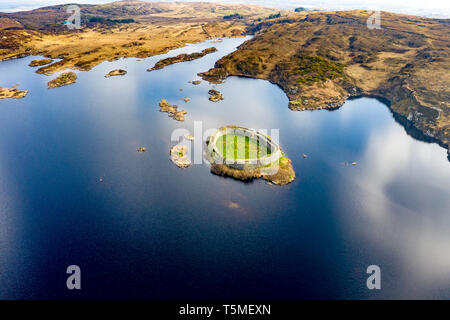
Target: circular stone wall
[[216, 156]]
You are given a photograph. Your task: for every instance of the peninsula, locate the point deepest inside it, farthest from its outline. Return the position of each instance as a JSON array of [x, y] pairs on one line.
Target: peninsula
[[320, 59]]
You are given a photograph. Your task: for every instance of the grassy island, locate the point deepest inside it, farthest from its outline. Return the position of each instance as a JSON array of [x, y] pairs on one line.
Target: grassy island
[[64, 79], [246, 154], [182, 58]]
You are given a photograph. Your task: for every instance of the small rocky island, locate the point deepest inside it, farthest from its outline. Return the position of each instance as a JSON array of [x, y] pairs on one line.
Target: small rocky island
[[117, 72], [63, 79], [171, 110], [178, 155], [12, 93], [215, 96], [182, 58], [246, 154], [40, 62]]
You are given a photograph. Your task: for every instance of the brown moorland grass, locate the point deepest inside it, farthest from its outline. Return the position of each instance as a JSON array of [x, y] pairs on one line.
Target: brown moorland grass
[[320, 59], [119, 29]]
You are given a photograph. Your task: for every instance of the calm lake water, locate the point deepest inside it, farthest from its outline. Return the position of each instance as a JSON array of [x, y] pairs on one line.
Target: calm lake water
[[152, 230]]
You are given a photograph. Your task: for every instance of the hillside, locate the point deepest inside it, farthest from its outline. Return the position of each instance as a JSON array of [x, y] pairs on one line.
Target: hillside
[[119, 29], [320, 59]]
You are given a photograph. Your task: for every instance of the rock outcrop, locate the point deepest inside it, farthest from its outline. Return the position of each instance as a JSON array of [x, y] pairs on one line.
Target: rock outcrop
[[12, 93], [171, 110], [63, 79], [117, 72]]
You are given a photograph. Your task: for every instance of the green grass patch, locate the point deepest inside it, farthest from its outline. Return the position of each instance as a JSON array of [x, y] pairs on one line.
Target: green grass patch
[[315, 68], [241, 147]]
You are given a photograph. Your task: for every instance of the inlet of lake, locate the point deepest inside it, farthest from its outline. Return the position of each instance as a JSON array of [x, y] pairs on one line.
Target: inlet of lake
[[75, 191]]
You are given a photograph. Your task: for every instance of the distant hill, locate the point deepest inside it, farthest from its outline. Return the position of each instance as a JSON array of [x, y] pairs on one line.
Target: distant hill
[[119, 29], [52, 18]]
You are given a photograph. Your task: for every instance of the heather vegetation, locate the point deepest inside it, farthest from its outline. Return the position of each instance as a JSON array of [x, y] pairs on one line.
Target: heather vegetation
[[320, 59]]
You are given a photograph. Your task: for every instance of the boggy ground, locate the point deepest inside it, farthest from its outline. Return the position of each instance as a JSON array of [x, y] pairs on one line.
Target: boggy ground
[[115, 30], [320, 59]]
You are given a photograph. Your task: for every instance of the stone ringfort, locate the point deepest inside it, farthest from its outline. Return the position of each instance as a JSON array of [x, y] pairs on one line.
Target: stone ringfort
[[267, 150]]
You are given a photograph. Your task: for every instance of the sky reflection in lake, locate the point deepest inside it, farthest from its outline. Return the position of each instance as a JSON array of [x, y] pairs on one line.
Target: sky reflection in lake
[[152, 230]]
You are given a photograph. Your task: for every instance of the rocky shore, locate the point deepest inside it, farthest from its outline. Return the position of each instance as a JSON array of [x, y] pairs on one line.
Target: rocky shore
[[284, 175]]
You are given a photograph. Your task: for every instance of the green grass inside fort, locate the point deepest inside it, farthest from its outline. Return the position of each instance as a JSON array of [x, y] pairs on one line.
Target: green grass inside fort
[[241, 147]]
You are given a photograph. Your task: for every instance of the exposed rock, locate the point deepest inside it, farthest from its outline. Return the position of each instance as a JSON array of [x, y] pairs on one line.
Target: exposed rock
[[283, 176], [178, 115], [117, 72], [164, 106], [12, 93], [141, 149], [178, 155], [196, 82], [186, 99], [64, 79], [189, 136], [172, 110], [233, 205], [181, 58], [215, 96]]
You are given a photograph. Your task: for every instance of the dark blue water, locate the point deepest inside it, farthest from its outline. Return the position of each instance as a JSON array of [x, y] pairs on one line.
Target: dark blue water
[[152, 230]]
